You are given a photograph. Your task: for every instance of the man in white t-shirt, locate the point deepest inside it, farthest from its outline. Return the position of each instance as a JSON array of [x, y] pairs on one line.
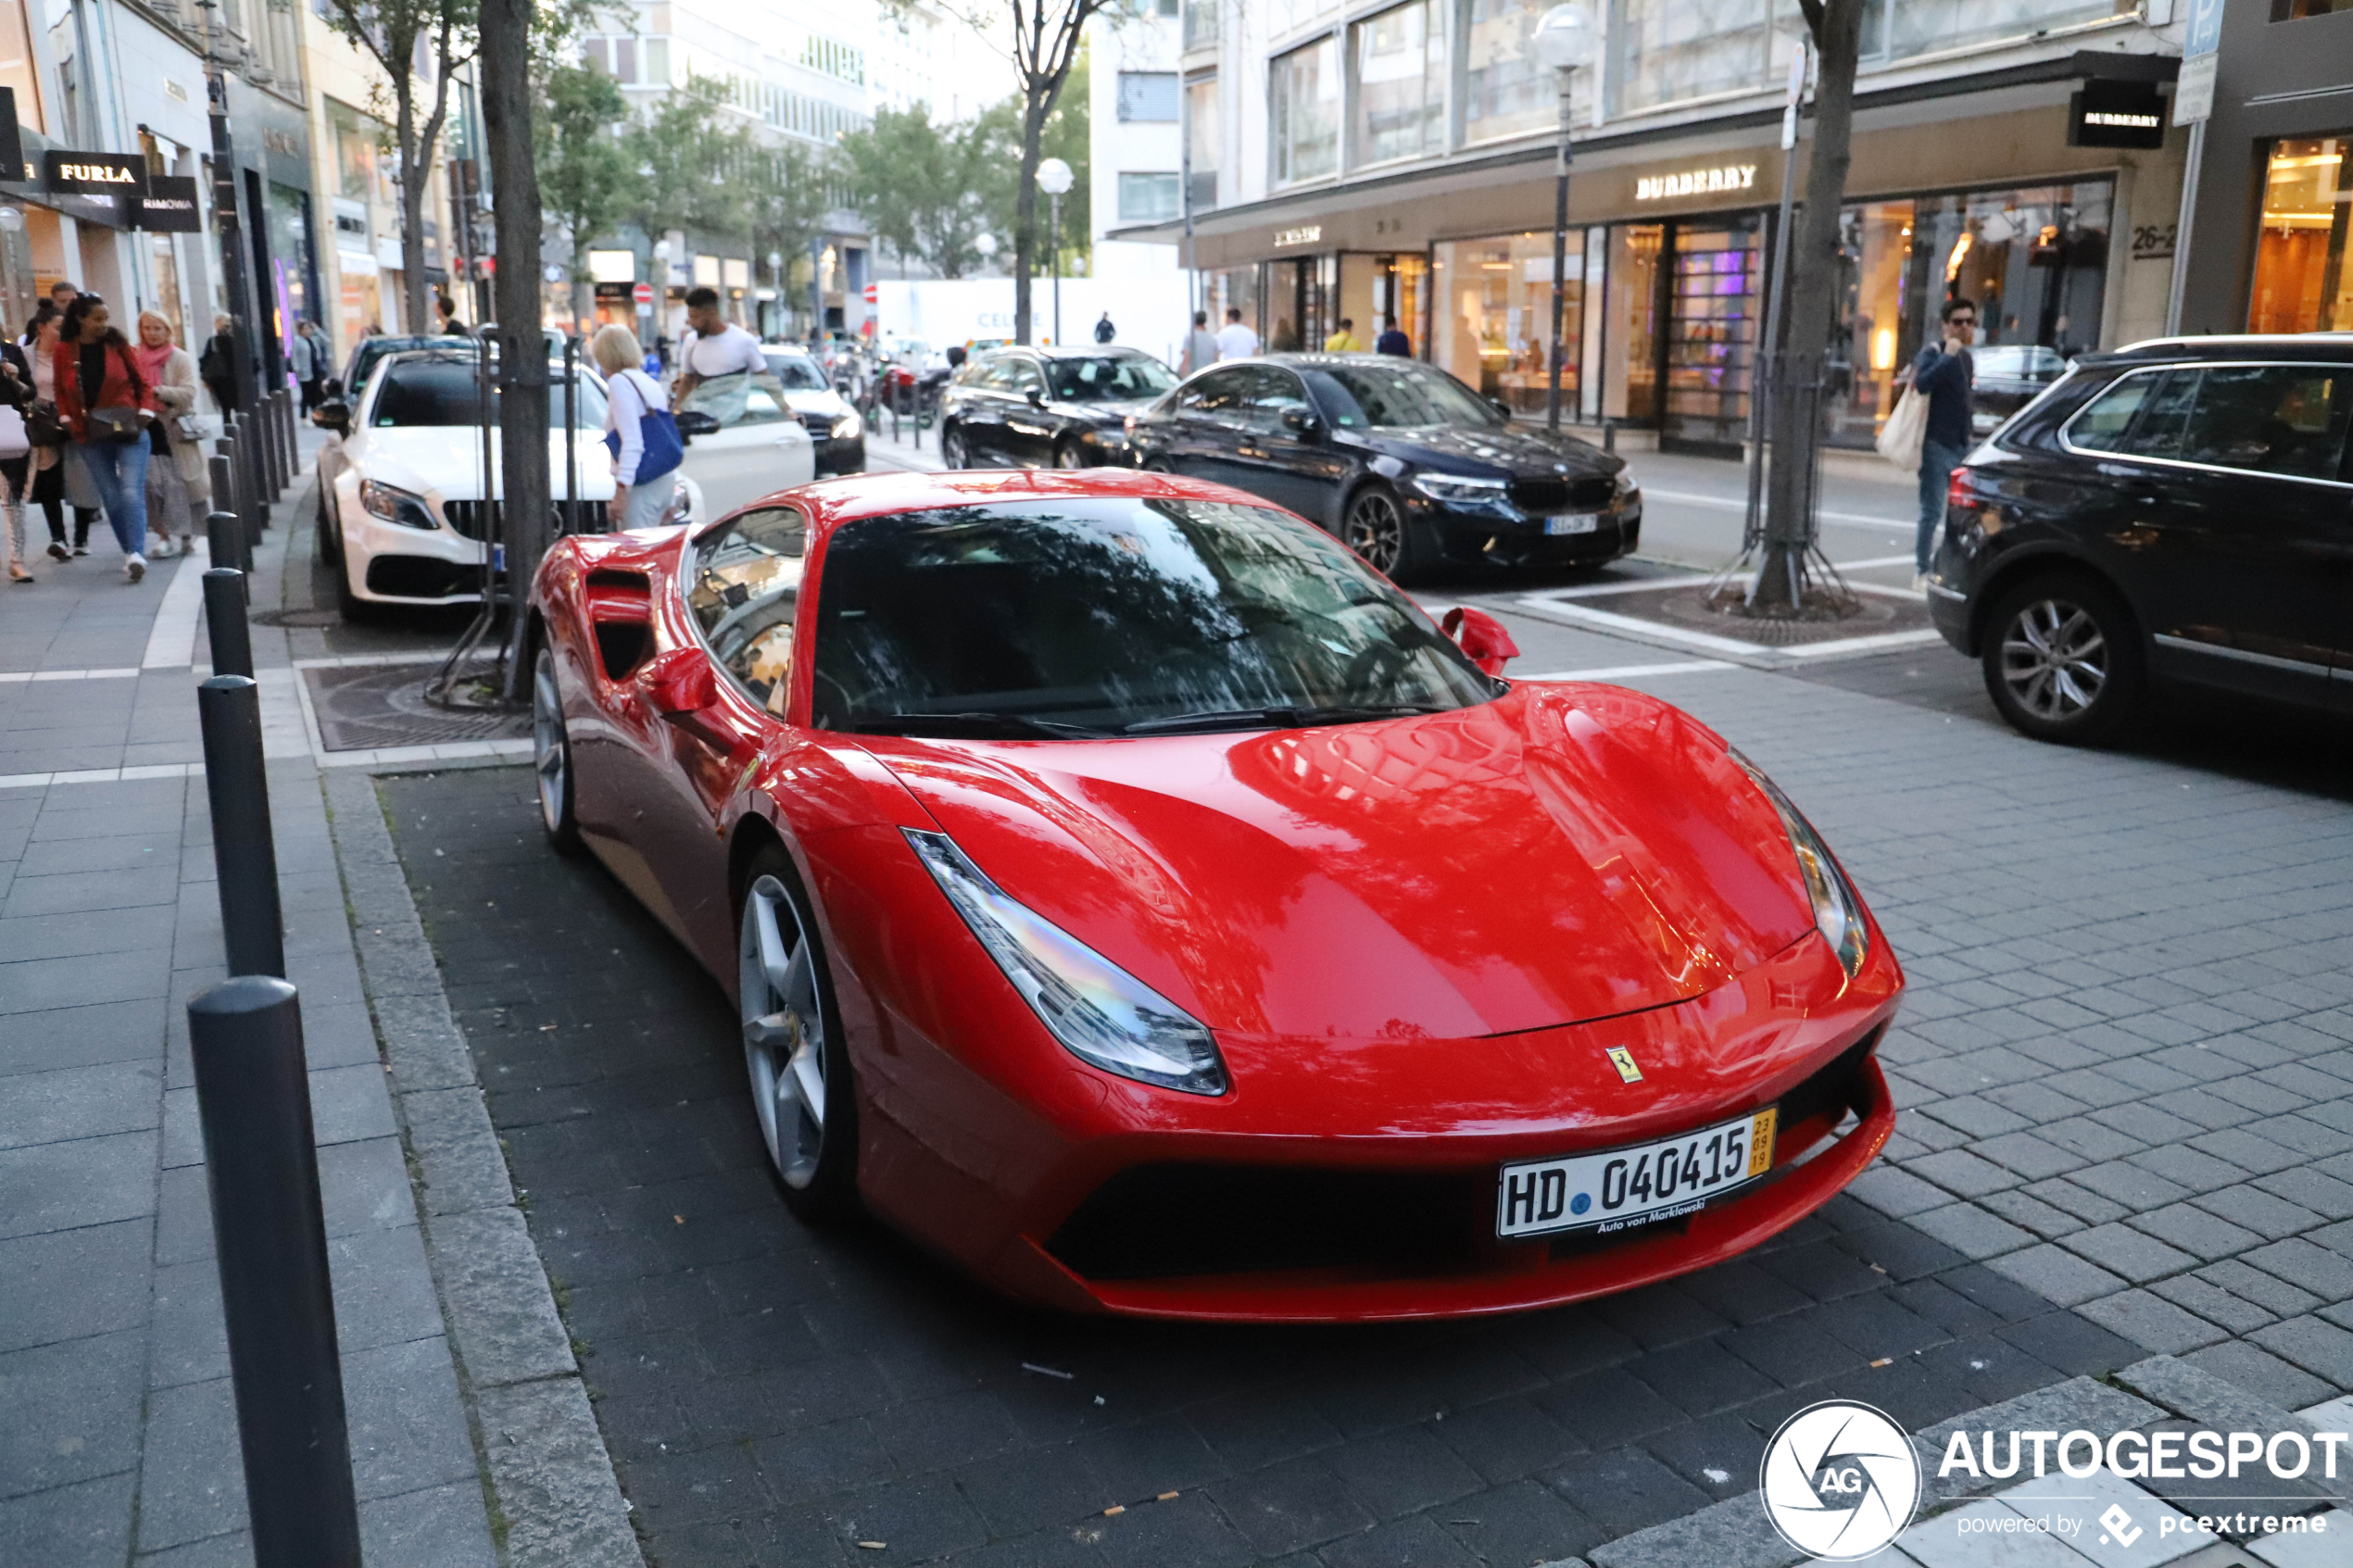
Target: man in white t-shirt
[[712, 347], [1236, 341]]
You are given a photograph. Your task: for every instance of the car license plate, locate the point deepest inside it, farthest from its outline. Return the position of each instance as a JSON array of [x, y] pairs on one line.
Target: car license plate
[[1619, 1188], [1573, 523]]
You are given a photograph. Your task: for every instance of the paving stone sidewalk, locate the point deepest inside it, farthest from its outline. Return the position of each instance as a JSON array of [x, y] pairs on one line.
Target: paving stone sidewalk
[[117, 1437]]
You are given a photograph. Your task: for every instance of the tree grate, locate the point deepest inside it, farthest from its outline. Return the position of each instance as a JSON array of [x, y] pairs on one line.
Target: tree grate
[[363, 708]]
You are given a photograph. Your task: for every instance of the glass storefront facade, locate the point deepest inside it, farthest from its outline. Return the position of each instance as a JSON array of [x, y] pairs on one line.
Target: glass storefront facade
[[1495, 316], [2302, 280]]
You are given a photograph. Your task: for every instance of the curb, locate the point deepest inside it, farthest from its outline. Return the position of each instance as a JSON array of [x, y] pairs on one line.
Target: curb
[[554, 1501]]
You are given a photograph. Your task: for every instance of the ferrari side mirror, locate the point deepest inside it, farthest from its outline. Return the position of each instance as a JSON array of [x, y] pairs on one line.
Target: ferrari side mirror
[[680, 682], [1482, 637]]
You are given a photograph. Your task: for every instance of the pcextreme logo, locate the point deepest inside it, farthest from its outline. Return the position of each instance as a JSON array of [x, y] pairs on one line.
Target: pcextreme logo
[[1840, 1480]]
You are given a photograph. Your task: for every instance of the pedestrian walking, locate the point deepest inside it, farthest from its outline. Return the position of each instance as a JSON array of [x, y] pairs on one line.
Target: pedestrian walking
[[1234, 340], [450, 325], [58, 480], [107, 406], [640, 431], [178, 482], [1105, 330], [218, 364], [16, 454], [715, 350], [306, 356], [1946, 376], [1391, 341], [1344, 341], [1201, 347]]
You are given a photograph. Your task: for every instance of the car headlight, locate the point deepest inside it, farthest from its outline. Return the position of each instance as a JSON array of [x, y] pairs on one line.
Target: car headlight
[[1624, 488], [1458, 490], [1838, 913], [395, 504], [1101, 1014], [847, 427]]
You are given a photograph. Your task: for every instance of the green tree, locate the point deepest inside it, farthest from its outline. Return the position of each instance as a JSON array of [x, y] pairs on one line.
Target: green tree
[[787, 200], [688, 164], [420, 46], [930, 191], [587, 180]]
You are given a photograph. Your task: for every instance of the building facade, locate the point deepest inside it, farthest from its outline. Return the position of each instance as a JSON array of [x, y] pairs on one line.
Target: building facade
[[1135, 124], [2272, 197], [1398, 159]]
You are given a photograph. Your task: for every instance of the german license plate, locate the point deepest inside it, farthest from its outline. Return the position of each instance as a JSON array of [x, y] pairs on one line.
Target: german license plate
[[1618, 1189], [1573, 523]]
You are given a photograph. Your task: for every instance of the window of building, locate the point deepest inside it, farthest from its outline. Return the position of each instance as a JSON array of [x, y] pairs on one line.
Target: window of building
[[1148, 198], [1495, 317], [1147, 95], [1505, 92], [1201, 23], [2290, 10], [1399, 106], [2302, 280], [1919, 27], [657, 62], [1303, 112], [1671, 50], [624, 59], [1202, 139], [594, 53]]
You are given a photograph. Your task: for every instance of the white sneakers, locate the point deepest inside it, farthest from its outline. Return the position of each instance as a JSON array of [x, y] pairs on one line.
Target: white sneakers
[[134, 568], [1920, 581]]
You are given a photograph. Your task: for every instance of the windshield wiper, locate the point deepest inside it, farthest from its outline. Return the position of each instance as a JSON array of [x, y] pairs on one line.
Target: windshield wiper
[[1279, 717], [976, 724]]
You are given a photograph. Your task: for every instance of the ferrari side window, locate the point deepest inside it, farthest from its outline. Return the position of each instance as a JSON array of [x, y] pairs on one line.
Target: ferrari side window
[[745, 591]]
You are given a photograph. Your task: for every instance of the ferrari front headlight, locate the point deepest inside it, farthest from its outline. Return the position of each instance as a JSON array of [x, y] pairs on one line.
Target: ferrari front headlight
[[1838, 912], [1101, 1014]]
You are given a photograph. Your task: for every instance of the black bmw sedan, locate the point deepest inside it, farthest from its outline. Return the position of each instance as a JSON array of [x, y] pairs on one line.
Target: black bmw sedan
[[2176, 512], [1047, 408], [1405, 464]]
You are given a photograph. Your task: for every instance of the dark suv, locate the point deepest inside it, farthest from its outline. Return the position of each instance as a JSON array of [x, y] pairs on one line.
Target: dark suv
[[2178, 510]]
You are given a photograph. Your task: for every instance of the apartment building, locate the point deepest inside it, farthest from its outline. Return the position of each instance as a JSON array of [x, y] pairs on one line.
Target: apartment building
[[1135, 136], [1388, 159]]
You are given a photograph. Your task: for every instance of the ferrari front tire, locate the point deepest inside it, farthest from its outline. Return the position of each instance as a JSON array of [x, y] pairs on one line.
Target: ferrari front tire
[[794, 1048], [551, 756]]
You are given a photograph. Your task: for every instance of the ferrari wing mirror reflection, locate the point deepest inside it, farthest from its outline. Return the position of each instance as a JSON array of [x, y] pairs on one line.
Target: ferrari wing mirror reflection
[[1482, 637]]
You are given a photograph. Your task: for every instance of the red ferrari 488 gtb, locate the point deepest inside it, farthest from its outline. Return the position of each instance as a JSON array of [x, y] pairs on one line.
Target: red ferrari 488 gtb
[[1133, 897]]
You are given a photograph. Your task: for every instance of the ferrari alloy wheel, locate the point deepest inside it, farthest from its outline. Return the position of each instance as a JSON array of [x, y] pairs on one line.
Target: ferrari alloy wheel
[[2062, 661], [551, 756], [951, 447], [1378, 529], [792, 1047]]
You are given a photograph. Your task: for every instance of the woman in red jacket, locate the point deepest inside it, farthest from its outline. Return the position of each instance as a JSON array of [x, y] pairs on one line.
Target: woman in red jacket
[[107, 404]]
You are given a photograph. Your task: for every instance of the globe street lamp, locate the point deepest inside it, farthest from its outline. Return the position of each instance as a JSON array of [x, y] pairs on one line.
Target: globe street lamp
[[1563, 41], [1054, 178]]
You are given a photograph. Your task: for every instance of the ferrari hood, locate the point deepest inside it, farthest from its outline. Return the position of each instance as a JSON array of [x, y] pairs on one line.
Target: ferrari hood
[[1562, 854]]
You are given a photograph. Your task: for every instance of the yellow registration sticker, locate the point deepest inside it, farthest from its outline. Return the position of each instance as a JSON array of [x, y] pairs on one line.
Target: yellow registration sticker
[[1760, 1140]]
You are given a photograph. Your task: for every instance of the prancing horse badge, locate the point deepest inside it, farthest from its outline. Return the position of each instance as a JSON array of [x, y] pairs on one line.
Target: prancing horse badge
[[1623, 1059]]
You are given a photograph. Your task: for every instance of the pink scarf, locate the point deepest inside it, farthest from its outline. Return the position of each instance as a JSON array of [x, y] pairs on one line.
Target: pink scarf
[[150, 362]]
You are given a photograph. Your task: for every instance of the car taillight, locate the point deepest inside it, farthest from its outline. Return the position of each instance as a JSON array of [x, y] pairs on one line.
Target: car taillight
[[1965, 490]]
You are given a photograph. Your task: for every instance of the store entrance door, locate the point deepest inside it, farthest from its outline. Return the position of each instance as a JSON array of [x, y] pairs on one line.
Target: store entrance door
[[1299, 296], [1714, 323], [1375, 287]]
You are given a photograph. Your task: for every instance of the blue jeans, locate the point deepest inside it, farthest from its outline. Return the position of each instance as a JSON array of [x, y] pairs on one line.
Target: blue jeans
[[1937, 463], [118, 471]]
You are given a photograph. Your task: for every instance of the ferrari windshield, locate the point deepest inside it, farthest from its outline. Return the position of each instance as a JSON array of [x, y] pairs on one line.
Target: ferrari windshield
[[1107, 377], [1116, 615]]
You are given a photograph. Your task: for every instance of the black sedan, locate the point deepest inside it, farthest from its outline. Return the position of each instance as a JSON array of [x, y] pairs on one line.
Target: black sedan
[[1409, 467], [2179, 510], [1047, 408]]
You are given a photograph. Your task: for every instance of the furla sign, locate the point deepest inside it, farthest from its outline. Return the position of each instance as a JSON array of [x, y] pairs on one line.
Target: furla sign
[[94, 174]]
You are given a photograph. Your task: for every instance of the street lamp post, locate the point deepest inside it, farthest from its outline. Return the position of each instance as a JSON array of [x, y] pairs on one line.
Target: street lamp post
[[777, 278], [1054, 178], [1563, 41]]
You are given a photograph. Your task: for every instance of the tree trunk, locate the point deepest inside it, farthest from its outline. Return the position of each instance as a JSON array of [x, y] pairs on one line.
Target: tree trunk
[[413, 210], [1035, 104], [528, 511], [1812, 307]]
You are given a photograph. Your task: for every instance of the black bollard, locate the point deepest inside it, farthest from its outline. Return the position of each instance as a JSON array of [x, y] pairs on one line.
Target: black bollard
[[243, 852], [270, 1238], [222, 531], [224, 620]]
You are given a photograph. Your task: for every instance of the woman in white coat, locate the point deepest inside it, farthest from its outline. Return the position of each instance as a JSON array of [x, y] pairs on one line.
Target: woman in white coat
[[178, 485]]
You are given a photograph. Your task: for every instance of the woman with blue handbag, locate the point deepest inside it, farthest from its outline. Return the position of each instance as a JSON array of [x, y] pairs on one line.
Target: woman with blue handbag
[[639, 431]]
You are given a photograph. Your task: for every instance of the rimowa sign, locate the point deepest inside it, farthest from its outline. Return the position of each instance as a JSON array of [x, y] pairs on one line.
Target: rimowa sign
[[94, 174]]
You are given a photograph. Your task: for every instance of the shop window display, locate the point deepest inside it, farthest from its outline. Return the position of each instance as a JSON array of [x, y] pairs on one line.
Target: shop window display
[[1712, 334], [1629, 387], [2302, 280], [1495, 316]]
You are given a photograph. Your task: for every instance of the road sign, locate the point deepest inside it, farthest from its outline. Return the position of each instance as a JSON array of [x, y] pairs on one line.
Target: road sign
[[643, 293], [2194, 90], [874, 294]]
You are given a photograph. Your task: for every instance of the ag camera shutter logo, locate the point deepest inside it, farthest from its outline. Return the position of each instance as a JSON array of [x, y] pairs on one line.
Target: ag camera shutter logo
[[1840, 1480]]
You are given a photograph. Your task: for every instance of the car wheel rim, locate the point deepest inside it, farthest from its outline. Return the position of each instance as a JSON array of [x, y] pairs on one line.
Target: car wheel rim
[[784, 1032], [547, 750], [1066, 456], [2055, 659], [1375, 531], [951, 449]]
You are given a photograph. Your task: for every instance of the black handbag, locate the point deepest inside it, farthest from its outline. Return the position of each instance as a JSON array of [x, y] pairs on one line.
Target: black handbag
[[121, 426]]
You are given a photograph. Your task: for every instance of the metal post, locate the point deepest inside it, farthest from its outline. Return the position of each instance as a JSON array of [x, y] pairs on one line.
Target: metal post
[[265, 467], [1054, 207], [250, 474], [1764, 378], [220, 524], [281, 471], [1560, 268], [224, 618], [288, 426], [243, 853], [269, 1238], [571, 441]]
